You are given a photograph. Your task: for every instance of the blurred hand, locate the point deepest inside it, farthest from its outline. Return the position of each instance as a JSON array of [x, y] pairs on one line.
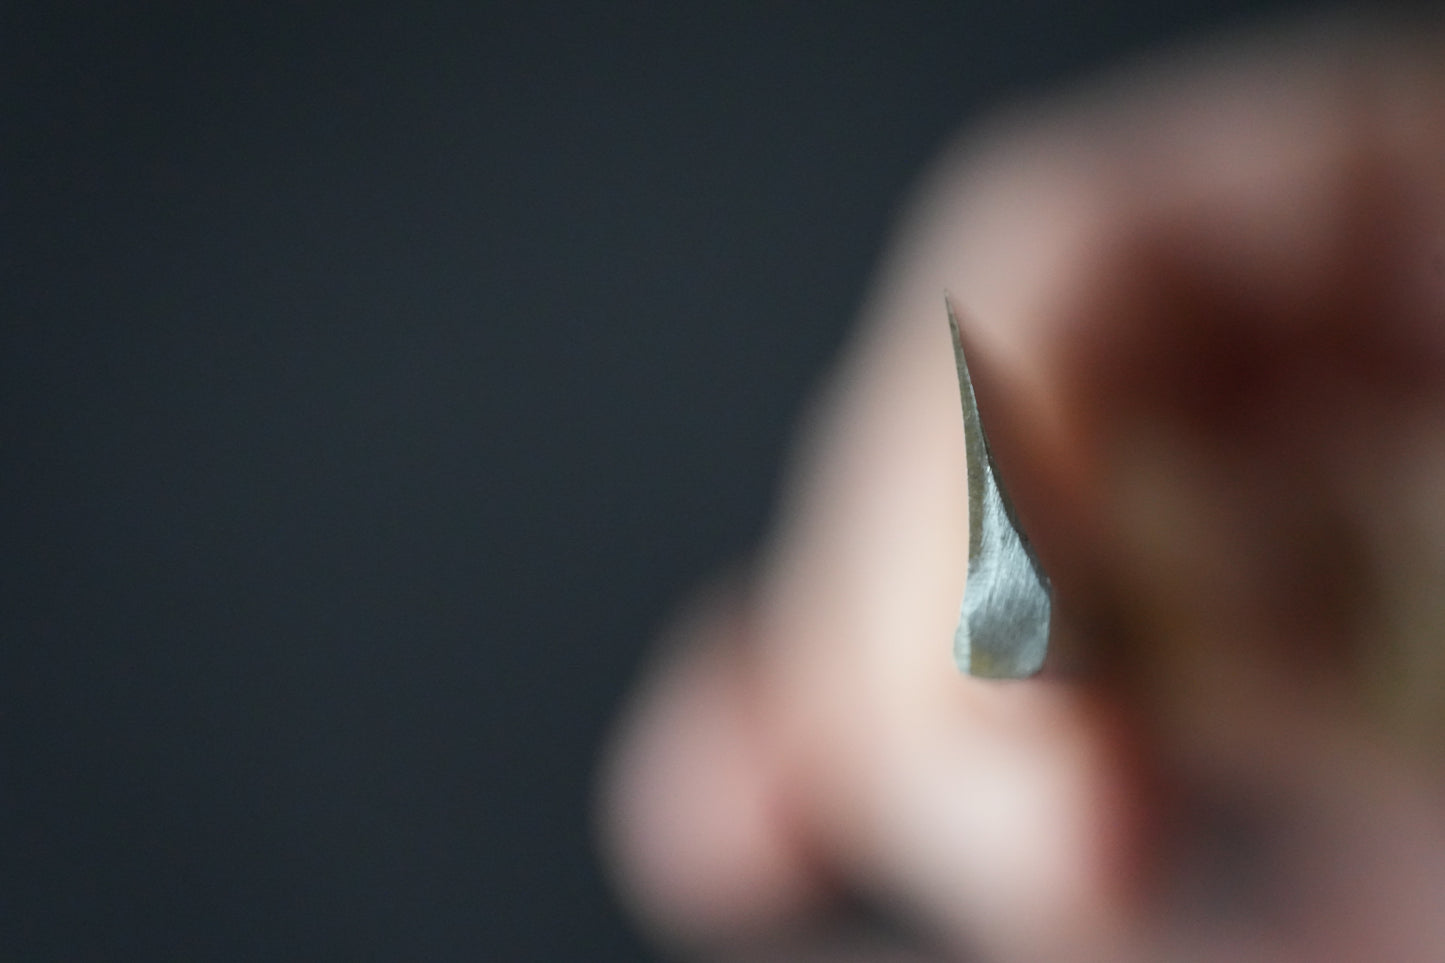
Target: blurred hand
[[1207, 316]]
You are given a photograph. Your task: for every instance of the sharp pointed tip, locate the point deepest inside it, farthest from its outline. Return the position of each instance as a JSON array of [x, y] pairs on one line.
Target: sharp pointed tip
[[954, 327], [1003, 627]]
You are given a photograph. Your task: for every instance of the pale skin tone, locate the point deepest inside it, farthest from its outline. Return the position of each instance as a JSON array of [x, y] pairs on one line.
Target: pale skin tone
[[1206, 304]]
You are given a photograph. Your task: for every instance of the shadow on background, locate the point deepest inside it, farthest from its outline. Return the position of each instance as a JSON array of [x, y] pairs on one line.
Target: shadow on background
[[374, 379]]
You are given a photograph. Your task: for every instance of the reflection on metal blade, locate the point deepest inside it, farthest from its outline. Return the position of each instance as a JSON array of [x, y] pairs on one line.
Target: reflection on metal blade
[[1003, 629]]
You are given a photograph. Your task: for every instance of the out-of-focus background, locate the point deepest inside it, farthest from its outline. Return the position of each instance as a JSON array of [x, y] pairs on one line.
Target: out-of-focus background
[[374, 379]]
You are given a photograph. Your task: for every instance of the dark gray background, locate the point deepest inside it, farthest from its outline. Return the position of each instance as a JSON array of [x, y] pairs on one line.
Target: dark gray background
[[374, 378]]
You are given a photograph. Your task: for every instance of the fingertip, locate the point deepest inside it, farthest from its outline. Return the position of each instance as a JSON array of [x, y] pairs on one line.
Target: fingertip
[[695, 820]]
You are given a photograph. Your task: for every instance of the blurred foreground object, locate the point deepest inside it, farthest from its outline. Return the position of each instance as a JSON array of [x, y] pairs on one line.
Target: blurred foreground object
[[1206, 306]]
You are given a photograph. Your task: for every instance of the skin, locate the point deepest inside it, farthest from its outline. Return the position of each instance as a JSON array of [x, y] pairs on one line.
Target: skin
[[1206, 303]]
